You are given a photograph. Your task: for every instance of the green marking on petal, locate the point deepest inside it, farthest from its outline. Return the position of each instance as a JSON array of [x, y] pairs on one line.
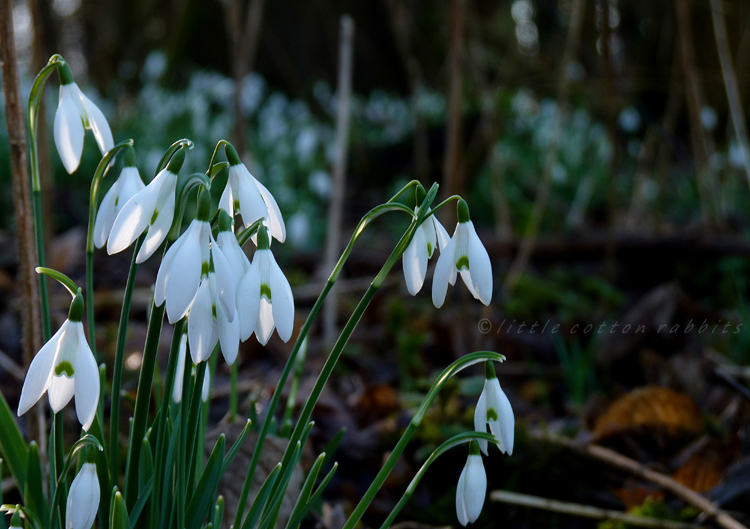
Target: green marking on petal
[[491, 414], [205, 268], [66, 368], [429, 249], [154, 217], [236, 205], [117, 200], [265, 290], [213, 311], [462, 263]]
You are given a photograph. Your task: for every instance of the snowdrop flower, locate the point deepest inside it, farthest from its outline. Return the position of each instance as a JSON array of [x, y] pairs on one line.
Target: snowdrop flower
[[428, 236], [127, 185], [76, 112], [264, 297], [213, 317], [152, 209], [472, 487], [230, 248], [83, 499], [464, 253], [244, 194], [64, 366], [185, 263], [180, 373], [493, 409]]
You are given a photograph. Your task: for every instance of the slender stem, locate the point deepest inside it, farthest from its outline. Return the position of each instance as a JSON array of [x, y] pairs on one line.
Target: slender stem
[[366, 220], [122, 332], [461, 438], [37, 90], [450, 371], [233, 392]]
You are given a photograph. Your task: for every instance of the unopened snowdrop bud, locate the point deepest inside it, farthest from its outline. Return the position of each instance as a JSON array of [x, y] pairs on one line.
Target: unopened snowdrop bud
[[466, 254], [180, 373], [152, 209], [472, 487], [429, 235], [264, 297], [126, 186], [83, 499], [493, 409], [16, 521], [245, 195], [185, 264], [64, 366], [75, 113]]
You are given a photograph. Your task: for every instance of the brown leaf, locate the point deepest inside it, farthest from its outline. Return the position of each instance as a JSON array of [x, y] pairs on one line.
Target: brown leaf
[[650, 410], [702, 471]]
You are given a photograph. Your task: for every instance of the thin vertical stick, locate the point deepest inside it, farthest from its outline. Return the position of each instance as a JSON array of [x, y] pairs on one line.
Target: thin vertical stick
[[730, 82], [335, 208], [532, 229], [27, 254], [453, 164]]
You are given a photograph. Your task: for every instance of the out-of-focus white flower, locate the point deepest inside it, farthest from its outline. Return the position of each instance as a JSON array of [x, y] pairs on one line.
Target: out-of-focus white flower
[[83, 499], [264, 297], [466, 254], [75, 113], [185, 263], [472, 487], [493, 409], [244, 194], [126, 186], [429, 235], [64, 366], [152, 209]]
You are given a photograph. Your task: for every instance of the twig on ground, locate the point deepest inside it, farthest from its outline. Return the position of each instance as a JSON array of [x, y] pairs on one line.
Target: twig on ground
[[634, 467], [11, 367], [586, 511]]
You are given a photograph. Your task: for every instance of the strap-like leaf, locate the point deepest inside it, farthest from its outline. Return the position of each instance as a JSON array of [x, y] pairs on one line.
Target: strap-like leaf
[[33, 492], [304, 495], [235, 448], [13, 448], [203, 496], [297, 519], [260, 499], [119, 513]]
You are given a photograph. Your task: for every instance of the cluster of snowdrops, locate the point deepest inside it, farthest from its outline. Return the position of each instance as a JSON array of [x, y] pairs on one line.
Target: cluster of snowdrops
[[215, 297]]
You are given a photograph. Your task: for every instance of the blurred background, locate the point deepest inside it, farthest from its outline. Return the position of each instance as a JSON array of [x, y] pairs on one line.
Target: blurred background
[[602, 147]]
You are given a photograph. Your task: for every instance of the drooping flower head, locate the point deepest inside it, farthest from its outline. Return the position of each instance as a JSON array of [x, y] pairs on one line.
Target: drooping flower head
[[245, 195], [472, 487], [464, 254], [185, 263], [75, 113], [429, 235], [83, 499], [64, 366], [494, 410], [152, 209], [127, 185], [264, 297]]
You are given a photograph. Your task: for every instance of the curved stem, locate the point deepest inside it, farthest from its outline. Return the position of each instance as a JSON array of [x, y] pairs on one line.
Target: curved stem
[[450, 371], [403, 190], [366, 220], [215, 154], [101, 171], [37, 90], [122, 332], [454, 441], [61, 278], [444, 203]]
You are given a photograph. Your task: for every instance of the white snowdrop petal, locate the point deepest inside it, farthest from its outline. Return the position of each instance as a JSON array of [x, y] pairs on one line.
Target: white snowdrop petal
[[133, 218], [86, 381], [252, 206], [180, 372], [200, 325], [105, 217], [226, 202], [226, 284], [466, 276], [275, 221], [206, 385], [236, 258], [264, 327], [476, 487], [98, 124], [282, 303], [39, 375], [83, 499], [229, 335], [60, 391], [248, 301], [158, 230], [480, 267], [463, 517], [68, 129], [184, 273], [414, 262], [162, 276], [442, 275], [480, 419]]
